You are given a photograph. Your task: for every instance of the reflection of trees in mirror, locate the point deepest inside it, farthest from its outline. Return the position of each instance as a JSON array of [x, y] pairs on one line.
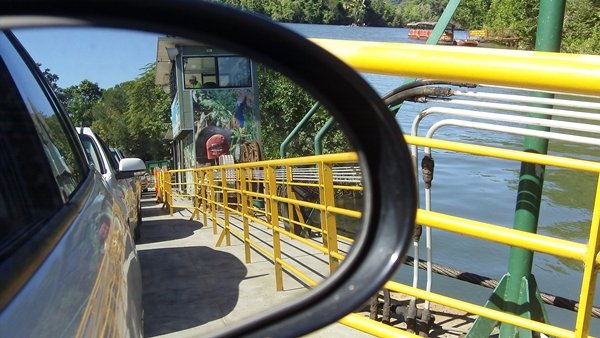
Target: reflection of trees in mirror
[[120, 115], [283, 104], [58, 139]]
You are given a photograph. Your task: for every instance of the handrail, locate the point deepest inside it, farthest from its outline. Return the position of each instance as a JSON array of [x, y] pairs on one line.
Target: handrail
[[495, 233], [576, 74]]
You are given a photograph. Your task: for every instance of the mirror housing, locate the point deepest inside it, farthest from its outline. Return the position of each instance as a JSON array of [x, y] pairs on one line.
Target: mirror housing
[[130, 167], [390, 192]]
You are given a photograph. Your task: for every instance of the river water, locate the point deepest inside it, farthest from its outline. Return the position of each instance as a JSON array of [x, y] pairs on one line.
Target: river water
[[485, 190]]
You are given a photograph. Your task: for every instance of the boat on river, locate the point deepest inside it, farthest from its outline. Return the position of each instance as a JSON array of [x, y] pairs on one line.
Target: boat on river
[[421, 30]]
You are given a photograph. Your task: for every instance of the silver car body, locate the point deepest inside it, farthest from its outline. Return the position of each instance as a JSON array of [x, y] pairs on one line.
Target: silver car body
[[68, 263], [128, 190]]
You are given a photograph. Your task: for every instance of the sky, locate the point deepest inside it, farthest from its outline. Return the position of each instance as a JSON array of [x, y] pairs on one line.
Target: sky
[[105, 56]]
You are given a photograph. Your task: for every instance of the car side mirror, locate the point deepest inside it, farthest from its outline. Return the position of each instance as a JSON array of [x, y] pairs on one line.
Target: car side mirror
[[130, 167], [389, 189]]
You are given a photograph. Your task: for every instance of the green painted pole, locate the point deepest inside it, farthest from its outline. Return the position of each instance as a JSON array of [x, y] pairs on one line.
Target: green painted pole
[[529, 196], [443, 22], [321, 134], [299, 126], [517, 292]]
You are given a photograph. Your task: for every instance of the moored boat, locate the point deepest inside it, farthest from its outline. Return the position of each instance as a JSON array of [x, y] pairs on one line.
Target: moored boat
[[421, 30]]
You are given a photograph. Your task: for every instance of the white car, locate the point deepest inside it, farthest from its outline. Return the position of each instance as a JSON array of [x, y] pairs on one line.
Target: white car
[[117, 154], [119, 177], [68, 262]]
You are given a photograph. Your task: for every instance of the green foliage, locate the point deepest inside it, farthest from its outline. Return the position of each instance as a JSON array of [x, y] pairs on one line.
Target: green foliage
[[520, 15], [472, 14], [336, 12], [148, 117], [51, 78], [80, 100], [380, 13], [420, 10], [283, 104], [133, 116], [581, 28]]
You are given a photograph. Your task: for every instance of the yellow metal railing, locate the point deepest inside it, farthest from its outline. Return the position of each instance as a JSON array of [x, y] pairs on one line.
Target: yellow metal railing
[[568, 73], [554, 72], [218, 194], [213, 184]]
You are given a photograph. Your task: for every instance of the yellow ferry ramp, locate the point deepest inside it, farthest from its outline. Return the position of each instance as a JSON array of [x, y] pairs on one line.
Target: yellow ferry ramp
[[568, 73]]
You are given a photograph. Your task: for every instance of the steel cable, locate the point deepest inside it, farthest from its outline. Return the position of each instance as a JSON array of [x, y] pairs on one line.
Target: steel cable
[[487, 282]]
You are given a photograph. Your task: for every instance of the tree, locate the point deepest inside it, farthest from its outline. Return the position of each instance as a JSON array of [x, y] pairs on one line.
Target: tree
[[379, 13], [520, 15], [336, 15], [148, 117], [471, 14], [111, 120], [51, 78], [283, 104], [79, 101], [420, 10], [581, 29]]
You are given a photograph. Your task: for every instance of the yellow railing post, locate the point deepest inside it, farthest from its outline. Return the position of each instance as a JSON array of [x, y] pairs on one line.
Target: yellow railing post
[[328, 223], [250, 179], [272, 179], [288, 179], [225, 197], [268, 205], [244, 202], [168, 192], [203, 196], [196, 198], [590, 273], [212, 204]]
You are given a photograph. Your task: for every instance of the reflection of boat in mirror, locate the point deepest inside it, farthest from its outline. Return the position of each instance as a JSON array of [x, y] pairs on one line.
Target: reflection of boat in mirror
[[421, 30]]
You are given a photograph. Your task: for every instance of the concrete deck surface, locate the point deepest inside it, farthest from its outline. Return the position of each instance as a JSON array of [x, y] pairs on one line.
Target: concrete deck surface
[[192, 288]]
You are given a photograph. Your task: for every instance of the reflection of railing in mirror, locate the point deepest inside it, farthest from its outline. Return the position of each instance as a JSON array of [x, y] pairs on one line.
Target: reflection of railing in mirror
[[294, 197]]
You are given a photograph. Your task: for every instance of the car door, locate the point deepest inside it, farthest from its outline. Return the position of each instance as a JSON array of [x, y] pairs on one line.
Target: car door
[[127, 188], [68, 264]]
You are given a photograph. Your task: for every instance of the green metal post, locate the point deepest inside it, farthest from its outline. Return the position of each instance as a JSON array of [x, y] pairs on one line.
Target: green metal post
[[517, 293], [301, 124], [443, 22], [321, 134]]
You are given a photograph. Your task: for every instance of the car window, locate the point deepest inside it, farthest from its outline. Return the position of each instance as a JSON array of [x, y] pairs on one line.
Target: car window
[[68, 172], [38, 164], [115, 155], [111, 159], [92, 153]]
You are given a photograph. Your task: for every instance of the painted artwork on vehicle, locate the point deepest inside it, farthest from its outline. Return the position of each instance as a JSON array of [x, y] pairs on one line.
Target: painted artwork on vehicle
[[224, 119]]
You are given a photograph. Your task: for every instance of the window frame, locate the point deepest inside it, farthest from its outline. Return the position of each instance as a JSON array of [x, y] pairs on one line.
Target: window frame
[[27, 249], [217, 74]]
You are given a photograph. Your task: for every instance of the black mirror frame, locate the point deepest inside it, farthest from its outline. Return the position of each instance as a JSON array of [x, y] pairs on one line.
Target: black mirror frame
[[389, 185]]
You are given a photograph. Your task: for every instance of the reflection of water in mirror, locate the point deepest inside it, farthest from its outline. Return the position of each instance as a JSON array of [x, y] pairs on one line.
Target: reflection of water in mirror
[[490, 186]]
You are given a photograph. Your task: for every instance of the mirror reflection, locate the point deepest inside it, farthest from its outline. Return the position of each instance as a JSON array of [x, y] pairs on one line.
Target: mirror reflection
[[218, 208]]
